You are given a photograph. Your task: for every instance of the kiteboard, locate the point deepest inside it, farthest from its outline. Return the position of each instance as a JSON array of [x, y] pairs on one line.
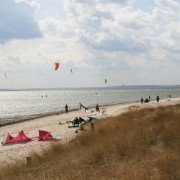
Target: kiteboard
[[71, 124]]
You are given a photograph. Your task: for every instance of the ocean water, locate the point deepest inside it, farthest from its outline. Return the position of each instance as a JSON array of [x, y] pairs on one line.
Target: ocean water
[[23, 105]]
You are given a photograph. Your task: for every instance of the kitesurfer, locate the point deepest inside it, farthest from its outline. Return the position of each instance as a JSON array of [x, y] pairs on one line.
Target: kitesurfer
[[81, 106], [157, 98], [97, 108], [66, 108], [76, 121], [81, 120]]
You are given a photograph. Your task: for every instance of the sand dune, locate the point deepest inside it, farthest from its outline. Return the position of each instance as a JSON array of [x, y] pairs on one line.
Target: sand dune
[[58, 125]]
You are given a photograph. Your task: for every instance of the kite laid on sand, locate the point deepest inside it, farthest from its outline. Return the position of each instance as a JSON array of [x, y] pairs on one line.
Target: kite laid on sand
[[23, 138]]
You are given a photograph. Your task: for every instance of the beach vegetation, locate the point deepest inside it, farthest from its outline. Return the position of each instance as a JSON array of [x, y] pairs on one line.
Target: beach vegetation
[[143, 144]]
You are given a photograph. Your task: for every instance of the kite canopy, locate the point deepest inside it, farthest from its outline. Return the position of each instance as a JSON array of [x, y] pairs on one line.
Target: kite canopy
[[20, 138], [72, 69], [138, 45], [45, 135], [56, 66], [5, 73]]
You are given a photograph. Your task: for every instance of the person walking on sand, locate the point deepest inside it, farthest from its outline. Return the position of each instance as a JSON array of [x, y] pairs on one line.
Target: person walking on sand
[[66, 108], [97, 108]]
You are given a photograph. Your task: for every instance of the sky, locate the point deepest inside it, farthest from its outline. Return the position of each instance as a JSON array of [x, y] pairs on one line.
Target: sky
[[127, 42]]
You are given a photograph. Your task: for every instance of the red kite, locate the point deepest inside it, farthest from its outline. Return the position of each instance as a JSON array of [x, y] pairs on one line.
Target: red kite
[[56, 66]]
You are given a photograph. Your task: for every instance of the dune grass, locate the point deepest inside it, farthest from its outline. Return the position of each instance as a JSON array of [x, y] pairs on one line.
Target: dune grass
[[139, 145]]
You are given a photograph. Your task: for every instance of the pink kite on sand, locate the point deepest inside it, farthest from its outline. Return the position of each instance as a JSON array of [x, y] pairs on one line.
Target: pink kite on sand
[[44, 135], [20, 138]]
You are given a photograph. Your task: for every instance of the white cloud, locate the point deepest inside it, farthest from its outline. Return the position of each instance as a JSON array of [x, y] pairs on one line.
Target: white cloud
[[99, 37], [100, 29], [32, 3], [168, 4]]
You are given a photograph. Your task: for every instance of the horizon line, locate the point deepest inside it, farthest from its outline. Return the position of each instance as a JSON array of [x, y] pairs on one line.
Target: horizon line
[[98, 87]]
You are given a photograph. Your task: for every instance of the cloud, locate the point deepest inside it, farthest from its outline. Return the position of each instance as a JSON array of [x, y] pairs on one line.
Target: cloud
[[99, 38], [100, 1], [110, 26], [32, 3], [168, 4], [17, 21]]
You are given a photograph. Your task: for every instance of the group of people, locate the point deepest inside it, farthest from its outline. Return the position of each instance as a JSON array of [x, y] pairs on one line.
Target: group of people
[[77, 121], [80, 107], [148, 100]]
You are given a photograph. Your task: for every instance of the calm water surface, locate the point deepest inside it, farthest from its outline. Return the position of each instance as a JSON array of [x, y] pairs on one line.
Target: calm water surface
[[22, 105]]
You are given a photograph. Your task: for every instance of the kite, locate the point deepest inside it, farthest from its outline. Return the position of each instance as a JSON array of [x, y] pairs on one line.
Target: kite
[[72, 69], [56, 66], [5, 74], [138, 44]]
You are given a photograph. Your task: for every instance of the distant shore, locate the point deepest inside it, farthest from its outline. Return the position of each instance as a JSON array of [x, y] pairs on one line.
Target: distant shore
[[58, 124]]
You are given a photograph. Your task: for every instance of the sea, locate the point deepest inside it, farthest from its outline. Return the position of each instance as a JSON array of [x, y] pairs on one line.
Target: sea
[[21, 105]]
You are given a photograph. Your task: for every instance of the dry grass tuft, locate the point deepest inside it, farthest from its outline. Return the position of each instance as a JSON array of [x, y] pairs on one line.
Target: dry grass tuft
[[139, 145]]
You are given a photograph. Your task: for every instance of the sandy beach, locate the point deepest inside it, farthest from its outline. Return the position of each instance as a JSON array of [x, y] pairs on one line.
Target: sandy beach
[[57, 124]]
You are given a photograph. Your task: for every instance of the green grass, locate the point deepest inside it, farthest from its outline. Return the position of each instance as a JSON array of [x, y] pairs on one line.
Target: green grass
[[139, 145]]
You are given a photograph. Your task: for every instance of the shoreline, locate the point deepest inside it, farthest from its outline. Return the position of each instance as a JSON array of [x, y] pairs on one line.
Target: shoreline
[[37, 116], [9, 153]]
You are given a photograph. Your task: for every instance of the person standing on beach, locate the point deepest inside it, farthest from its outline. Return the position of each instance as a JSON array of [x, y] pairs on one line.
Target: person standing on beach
[[66, 108], [80, 106], [97, 108], [157, 98], [142, 100]]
